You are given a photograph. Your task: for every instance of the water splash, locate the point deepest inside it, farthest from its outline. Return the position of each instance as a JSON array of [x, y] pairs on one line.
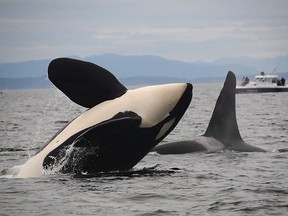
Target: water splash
[[11, 172]]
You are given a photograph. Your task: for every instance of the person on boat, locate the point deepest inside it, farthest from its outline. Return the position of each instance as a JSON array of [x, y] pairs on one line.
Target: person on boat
[[283, 81], [245, 81]]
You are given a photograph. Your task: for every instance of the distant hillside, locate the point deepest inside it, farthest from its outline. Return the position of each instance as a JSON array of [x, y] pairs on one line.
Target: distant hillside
[[25, 83], [279, 63], [24, 69], [153, 66], [139, 70], [128, 66]]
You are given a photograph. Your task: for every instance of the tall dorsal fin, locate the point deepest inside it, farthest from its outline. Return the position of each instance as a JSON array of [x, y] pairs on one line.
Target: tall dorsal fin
[[223, 123], [83, 82]]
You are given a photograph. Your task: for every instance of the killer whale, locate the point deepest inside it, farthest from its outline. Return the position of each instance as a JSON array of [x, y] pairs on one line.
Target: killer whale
[[222, 131], [119, 128]]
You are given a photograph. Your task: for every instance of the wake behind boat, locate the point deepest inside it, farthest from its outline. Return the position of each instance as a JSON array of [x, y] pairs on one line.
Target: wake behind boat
[[263, 83]]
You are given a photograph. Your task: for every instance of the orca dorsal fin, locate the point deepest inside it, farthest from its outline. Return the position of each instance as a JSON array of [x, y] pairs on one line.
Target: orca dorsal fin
[[85, 83], [223, 123]]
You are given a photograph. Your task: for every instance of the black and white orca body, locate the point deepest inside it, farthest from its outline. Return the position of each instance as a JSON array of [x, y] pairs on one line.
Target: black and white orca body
[[120, 127], [222, 132]]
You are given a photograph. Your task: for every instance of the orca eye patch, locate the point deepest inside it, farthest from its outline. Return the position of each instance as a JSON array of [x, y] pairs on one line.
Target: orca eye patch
[[165, 128]]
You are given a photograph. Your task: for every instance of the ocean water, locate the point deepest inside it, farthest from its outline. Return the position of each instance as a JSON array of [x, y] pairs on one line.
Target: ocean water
[[220, 183]]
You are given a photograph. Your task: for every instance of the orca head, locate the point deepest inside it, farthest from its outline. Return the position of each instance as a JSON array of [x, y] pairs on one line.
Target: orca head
[[130, 127], [120, 127]]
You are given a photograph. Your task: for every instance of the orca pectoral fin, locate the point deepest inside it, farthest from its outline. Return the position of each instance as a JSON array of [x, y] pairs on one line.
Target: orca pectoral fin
[[106, 133], [85, 83]]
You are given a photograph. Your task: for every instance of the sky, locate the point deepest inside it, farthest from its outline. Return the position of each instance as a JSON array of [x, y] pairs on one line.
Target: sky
[[185, 30]]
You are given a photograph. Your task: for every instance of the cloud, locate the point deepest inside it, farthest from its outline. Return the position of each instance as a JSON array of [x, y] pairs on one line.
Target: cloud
[[186, 29]]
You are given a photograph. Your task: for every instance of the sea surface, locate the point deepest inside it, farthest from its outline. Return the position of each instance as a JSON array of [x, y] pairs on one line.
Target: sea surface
[[220, 183]]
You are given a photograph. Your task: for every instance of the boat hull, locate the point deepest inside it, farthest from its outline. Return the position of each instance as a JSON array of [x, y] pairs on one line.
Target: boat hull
[[246, 90]]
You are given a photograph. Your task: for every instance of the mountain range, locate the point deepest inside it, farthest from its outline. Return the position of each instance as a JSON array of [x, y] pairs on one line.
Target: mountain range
[[145, 69]]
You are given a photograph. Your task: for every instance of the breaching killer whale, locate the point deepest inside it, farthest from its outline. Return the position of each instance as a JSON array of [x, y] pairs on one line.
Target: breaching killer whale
[[222, 132], [120, 127]]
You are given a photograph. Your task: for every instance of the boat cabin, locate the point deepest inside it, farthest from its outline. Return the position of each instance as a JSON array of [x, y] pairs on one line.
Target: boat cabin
[[263, 80]]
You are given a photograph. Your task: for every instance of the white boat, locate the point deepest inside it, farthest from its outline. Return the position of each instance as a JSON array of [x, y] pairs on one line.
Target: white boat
[[263, 83]]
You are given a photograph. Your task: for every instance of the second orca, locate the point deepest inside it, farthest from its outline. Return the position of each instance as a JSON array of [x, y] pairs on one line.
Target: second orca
[[222, 131]]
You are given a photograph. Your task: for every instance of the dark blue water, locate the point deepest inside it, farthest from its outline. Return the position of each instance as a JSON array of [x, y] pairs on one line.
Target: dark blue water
[[221, 183]]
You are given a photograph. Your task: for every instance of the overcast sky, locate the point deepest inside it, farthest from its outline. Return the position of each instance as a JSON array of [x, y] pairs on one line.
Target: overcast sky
[[186, 30]]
